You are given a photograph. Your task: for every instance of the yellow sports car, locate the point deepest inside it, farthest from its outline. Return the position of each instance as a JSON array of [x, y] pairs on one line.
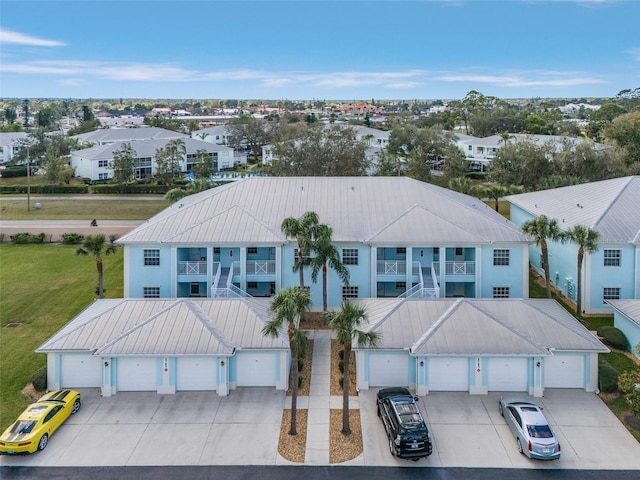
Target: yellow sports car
[[37, 423]]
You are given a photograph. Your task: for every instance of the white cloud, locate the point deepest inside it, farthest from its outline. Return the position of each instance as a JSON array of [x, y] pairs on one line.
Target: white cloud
[[635, 53], [17, 38], [526, 79]]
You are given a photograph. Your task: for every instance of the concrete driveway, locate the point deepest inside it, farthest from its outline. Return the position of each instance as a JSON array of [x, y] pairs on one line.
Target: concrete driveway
[[201, 428], [468, 431]]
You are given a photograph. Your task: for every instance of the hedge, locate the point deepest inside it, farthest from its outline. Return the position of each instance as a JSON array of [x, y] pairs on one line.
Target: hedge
[[608, 378], [39, 380], [613, 337], [125, 188], [22, 189]]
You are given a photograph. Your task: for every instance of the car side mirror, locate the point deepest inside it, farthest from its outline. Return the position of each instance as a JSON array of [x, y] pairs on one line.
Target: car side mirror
[[415, 399]]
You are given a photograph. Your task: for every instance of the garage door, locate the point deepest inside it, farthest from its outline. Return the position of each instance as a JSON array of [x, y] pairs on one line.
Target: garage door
[[137, 374], [508, 374], [448, 374], [256, 369], [388, 369], [196, 373], [81, 371], [563, 371]]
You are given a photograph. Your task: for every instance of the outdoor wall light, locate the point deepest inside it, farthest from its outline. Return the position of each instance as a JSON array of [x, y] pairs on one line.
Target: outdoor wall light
[[106, 364], [537, 364], [422, 363], [222, 363]]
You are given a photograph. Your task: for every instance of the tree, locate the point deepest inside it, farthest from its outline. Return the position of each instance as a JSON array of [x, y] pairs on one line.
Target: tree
[[542, 229], [387, 165], [57, 167], [629, 385], [304, 229], [96, 245], [249, 131], [587, 241], [124, 164], [25, 110], [169, 161], [347, 323], [461, 184], [87, 114], [495, 192], [10, 115], [326, 255], [289, 306], [204, 166], [521, 163], [625, 131]]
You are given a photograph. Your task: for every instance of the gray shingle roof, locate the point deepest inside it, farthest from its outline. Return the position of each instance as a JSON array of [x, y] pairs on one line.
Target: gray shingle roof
[[477, 326], [181, 326], [377, 210], [612, 207]]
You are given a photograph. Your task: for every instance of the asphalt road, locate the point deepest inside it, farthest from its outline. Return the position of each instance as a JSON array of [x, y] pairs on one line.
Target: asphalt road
[[306, 473]]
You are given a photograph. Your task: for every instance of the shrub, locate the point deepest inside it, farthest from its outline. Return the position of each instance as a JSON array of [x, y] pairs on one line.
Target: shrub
[[300, 365], [39, 379], [21, 238], [341, 382], [72, 238], [341, 354], [300, 381], [613, 337], [608, 378], [39, 238], [629, 385], [341, 366]]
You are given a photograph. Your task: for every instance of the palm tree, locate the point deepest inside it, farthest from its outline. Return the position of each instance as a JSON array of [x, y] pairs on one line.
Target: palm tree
[[326, 255], [288, 306], [96, 245], [587, 241], [540, 229], [304, 230], [460, 184], [346, 323]]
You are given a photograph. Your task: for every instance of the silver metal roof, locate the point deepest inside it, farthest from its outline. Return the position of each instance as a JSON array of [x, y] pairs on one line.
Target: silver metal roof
[[129, 134], [466, 326], [612, 207], [629, 308], [182, 326], [376, 210]]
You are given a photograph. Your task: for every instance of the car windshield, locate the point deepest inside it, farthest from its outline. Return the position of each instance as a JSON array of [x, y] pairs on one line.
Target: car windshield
[[539, 431], [23, 426]]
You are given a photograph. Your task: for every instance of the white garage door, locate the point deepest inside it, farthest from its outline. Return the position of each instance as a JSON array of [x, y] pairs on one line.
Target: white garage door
[[81, 371], [563, 371], [137, 374], [508, 374], [196, 373], [388, 369], [256, 369], [448, 374]]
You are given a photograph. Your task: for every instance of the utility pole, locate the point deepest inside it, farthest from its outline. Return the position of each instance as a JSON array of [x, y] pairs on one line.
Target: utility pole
[[28, 181]]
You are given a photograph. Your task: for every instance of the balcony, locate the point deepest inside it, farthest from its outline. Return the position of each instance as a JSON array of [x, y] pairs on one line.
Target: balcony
[[261, 267], [192, 268], [456, 268], [391, 267]]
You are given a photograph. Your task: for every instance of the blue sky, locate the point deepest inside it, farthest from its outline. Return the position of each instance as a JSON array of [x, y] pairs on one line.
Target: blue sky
[[305, 49]]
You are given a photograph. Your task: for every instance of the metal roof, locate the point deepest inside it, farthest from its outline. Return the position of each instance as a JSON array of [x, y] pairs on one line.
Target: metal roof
[[183, 326], [129, 134], [629, 308], [612, 207], [376, 210], [466, 326]]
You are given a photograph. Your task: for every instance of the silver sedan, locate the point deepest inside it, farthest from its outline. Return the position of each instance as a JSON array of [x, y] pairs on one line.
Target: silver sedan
[[534, 436]]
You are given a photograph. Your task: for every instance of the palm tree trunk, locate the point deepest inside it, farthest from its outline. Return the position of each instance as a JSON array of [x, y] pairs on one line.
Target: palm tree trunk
[[545, 259], [301, 265], [324, 287], [346, 429], [100, 277], [579, 283]]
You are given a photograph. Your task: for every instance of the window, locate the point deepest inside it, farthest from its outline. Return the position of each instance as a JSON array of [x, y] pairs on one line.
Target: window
[[103, 163], [401, 251], [500, 257], [151, 257], [401, 285], [610, 293], [458, 251], [500, 292], [350, 256], [252, 250], [194, 289], [612, 257], [253, 285], [151, 292], [349, 291], [103, 176], [436, 250], [216, 250]]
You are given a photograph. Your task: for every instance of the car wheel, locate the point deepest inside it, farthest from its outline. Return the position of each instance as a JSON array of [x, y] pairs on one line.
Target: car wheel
[[519, 445], [391, 447], [43, 442], [76, 407], [500, 409], [379, 415]]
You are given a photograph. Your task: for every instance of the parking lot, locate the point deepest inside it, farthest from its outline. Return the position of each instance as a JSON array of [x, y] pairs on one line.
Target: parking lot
[[201, 428]]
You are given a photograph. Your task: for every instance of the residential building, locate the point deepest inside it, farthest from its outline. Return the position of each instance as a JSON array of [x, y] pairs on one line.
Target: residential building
[[10, 144], [397, 236], [219, 134], [612, 208], [109, 136], [626, 318], [95, 163]]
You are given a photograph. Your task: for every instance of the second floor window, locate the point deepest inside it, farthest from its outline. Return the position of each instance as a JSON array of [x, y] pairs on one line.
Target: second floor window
[[252, 250], [612, 257], [103, 163], [501, 257], [349, 291], [350, 256], [151, 257]]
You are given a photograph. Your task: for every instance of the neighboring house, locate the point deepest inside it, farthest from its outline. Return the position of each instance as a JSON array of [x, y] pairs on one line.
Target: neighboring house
[[10, 144], [95, 163], [611, 207], [109, 136], [626, 317], [168, 346], [122, 121], [219, 135], [396, 235], [480, 151], [477, 346]]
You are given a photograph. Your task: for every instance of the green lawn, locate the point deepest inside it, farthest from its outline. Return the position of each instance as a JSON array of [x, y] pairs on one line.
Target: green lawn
[[42, 287], [12, 208]]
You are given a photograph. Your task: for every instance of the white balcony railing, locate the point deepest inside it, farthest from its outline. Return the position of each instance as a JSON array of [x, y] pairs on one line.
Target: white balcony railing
[[261, 267], [460, 268], [192, 268], [391, 267]]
